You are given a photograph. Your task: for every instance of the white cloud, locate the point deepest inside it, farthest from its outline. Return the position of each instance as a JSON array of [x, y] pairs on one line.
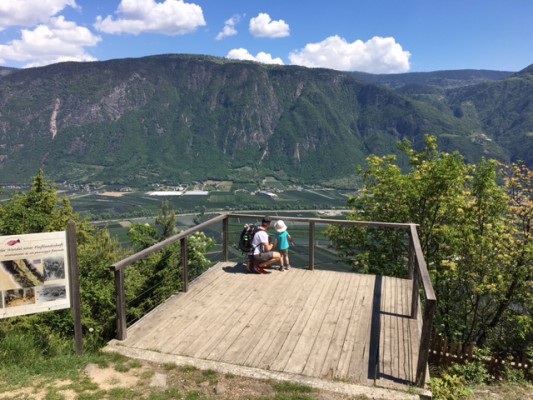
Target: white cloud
[[262, 57], [30, 12], [377, 55], [171, 17], [229, 28], [57, 41], [263, 26]]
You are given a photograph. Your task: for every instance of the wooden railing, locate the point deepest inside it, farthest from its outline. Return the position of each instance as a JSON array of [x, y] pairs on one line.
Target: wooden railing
[[119, 267], [417, 268]]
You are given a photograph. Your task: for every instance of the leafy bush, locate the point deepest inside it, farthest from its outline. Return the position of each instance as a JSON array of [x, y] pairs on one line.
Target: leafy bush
[[449, 387], [474, 372], [476, 235]]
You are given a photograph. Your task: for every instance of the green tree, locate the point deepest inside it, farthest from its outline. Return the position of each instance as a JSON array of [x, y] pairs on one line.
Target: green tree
[[166, 220], [428, 195], [38, 210], [143, 236], [512, 321], [97, 286], [476, 239], [42, 210], [159, 276], [148, 283]]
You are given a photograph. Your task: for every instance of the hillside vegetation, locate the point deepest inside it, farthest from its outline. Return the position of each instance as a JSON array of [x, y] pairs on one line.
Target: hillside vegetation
[[181, 118]]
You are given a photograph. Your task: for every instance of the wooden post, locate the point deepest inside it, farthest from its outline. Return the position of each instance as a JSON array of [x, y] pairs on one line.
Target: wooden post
[[415, 296], [75, 296], [311, 245], [425, 337], [225, 238], [185, 264], [470, 351], [411, 256], [121, 304], [413, 275]]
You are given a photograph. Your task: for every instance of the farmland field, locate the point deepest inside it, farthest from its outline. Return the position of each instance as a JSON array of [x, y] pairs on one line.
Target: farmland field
[[140, 204]]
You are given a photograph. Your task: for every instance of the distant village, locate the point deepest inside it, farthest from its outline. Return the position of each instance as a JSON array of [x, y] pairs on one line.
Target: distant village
[[198, 189], [160, 189]]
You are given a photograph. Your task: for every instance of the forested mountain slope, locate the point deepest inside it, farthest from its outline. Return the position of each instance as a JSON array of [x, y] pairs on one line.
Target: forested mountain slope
[[179, 118]]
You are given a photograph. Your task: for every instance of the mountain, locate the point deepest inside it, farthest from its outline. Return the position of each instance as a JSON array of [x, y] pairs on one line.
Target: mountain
[[6, 71], [436, 79], [496, 106], [500, 110], [180, 118]]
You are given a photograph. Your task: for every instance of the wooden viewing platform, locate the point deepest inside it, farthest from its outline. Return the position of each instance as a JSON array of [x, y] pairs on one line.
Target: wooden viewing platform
[[329, 326], [339, 326]]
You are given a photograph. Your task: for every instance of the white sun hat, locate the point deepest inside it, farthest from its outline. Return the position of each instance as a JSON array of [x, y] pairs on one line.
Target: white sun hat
[[280, 226]]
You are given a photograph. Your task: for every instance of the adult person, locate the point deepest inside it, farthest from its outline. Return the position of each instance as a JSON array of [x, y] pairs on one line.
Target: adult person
[[262, 255]]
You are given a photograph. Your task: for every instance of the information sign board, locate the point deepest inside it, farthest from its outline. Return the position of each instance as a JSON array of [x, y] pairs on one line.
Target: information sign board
[[34, 273]]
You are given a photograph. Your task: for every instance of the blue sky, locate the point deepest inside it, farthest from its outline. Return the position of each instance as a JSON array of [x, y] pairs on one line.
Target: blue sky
[[376, 36]]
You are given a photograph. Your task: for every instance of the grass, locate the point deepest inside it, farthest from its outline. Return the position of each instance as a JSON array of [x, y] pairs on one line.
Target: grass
[[28, 372], [210, 375], [52, 377]]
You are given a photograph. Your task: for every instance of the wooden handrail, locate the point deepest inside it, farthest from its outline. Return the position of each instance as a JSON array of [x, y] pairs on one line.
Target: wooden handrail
[[370, 224], [422, 266], [119, 266], [167, 242], [422, 274], [417, 266]]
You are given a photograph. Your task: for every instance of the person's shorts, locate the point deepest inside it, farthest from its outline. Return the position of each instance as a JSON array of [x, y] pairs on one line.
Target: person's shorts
[[284, 252], [261, 257]]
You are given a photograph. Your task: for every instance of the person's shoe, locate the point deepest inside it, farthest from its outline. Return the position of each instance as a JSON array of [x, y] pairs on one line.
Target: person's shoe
[[259, 270], [287, 267], [281, 268]]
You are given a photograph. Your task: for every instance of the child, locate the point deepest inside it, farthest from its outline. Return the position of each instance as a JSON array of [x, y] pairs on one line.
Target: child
[[283, 240]]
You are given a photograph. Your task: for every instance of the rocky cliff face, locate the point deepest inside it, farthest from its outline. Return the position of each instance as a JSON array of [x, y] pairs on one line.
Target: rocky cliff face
[[180, 118]]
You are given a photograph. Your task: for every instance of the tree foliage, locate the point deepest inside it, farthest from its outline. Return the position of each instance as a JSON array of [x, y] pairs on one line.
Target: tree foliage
[[42, 210], [38, 210], [147, 283], [159, 276], [475, 233]]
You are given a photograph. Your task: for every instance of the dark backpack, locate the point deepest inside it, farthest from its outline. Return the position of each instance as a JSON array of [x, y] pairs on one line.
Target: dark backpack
[[247, 235]]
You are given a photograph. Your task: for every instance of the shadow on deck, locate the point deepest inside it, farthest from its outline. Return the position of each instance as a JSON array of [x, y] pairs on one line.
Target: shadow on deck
[[300, 325]]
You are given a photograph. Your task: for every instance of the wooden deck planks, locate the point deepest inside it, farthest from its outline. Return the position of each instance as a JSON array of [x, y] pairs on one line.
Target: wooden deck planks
[[335, 350], [323, 339], [163, 316], [284, 339], [274, 335], [247, 311], [397, 342], [357, 368], [304, 331], [314, 323], [263, 322], [220, 313], [388, 350], [410, 337]]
